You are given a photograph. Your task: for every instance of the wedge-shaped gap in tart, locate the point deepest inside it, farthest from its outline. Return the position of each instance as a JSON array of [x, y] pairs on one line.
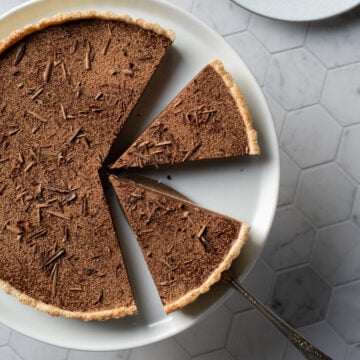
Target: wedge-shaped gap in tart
[[150, 309]]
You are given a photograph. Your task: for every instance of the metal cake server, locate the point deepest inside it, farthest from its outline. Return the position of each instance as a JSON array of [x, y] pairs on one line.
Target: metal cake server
[[308, 350]]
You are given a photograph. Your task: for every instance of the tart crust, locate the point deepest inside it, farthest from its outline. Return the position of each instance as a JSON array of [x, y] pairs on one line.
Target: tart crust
[[216, 274], [236, 93], [17, 35], [55, 311]]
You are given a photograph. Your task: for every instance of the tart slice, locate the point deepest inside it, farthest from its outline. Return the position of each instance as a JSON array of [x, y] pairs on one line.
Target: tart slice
[[208, 119], [68, 85], [186, 247]]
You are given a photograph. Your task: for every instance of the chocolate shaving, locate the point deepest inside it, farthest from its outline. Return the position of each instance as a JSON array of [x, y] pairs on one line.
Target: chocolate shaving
[[192, 151], [171, 247], [37, 235], [146, 57], [97, 110], [39, 218], [2, 188], [200, 233], [141, 156], [137, 196], [163, 261], [42, 206], [146, 231], [109, 29], [71, 198], [63, 69], [17, 260], [46, 74], [167, 283], [53, 258], [106, 47], [207, 246], [163, 143], [74, 46], [14, 229], [89, 272], [66, 234], [178, 103], [29, 166], [36, 128], [36, 116], [63, 112], [36, 94], [13, 132], [75, 134], [78, 92], [58, 214], [143, 144], [127, 72], [98, 96], [76, 288], [20, 53], [99, 298], [18, 197], [56, 189], [54, 277], [21, 158], [84, 206], [4, 159], [87, 60]]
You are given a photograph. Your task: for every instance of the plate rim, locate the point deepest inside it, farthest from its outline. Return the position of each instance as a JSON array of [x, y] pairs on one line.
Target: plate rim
[[299, 19], [275, 158]]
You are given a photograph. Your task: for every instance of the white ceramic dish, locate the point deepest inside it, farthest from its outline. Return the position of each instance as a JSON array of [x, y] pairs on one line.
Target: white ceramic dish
[[299, 10], [245, 189]]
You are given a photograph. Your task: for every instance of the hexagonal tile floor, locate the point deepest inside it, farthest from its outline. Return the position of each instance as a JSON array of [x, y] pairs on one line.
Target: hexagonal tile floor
[[309, 270]]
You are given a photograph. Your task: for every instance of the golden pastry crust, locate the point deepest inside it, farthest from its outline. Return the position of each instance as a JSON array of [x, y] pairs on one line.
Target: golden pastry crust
[[17, 35], [55, 311], [236, 93], [215, 276]]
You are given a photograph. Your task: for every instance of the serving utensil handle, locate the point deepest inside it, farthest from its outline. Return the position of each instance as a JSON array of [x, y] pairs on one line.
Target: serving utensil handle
[[308, 350]]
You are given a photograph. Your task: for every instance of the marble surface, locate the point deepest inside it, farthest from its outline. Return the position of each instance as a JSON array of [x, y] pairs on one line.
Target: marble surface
[[309, 270]]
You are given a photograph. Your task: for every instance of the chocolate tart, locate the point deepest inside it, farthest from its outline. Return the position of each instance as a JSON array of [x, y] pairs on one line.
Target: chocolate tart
[[68, 84], [208, 119], [186, 247]]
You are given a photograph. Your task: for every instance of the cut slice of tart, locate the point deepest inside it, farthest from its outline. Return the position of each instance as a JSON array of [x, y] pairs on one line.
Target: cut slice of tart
[[208, 119], [67, 86], [186, 247]]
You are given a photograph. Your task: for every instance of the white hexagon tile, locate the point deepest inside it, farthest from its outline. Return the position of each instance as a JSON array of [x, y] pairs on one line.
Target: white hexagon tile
[[295, 78], [304, 139], [252, 52], [309, 270], [278, 35]]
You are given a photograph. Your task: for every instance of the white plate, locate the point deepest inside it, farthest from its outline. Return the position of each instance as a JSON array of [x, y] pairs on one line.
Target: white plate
[[245, 189], [299, 10]]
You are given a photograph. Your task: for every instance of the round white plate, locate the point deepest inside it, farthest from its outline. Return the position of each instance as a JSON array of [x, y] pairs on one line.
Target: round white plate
[[299, 10], [243, 188]]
